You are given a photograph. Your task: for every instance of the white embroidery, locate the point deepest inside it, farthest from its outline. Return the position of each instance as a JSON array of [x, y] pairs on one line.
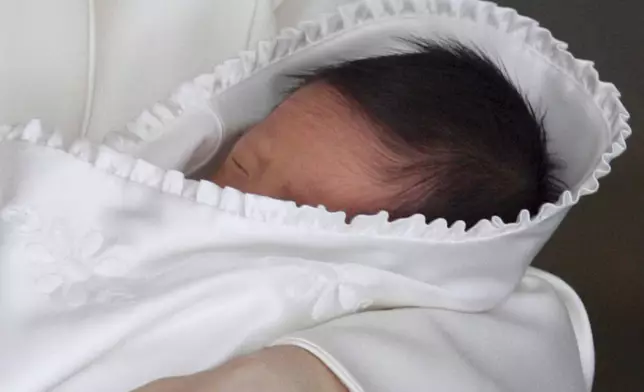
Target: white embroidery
[[23, 219], [71, 266], [329, 293]]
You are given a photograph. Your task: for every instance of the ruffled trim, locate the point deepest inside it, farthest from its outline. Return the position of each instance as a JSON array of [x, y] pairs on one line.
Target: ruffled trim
[[173, 182], [199, 92], [152, 123]]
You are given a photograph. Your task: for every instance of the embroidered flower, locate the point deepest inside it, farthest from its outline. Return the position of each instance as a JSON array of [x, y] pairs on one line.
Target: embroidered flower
[[23, 219], [69, 265], [330, 294]]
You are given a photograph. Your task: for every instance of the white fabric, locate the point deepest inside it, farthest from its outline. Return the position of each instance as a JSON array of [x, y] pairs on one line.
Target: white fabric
[[115, 273], [120, 261], [141, 274], [94, 64], [43, 62], [521, 345], [584, 118], [292, 12]]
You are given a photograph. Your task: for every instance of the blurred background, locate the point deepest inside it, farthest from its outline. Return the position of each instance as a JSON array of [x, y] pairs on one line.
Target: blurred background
[[599, 249]]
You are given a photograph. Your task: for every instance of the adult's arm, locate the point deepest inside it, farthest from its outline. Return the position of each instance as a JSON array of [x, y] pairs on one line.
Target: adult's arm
[[274, 369], [529, 343]]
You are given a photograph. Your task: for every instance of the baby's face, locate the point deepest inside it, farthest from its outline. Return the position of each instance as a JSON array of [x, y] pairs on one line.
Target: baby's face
[[314, 150]]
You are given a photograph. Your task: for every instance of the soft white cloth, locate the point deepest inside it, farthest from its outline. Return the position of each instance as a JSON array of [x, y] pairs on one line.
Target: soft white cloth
[[115, 271], [94, 64], [475, 270], [522, 345], [584, 118]]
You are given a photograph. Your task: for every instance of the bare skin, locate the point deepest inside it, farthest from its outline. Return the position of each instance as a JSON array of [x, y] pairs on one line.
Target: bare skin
[[275, 369], [313, 149]]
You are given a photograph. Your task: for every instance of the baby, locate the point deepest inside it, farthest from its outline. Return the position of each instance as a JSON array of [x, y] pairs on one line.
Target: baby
[[440, 131]]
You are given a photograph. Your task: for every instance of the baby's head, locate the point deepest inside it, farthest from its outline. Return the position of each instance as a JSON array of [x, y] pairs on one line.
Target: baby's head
[[440, 131]]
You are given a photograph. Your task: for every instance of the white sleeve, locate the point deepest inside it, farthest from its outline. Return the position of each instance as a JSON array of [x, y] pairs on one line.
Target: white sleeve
[[527, 344]]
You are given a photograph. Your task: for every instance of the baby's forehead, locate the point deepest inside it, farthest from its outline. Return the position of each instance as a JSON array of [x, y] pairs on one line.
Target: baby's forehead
[[324, 115], [317, 130], [315, 99]]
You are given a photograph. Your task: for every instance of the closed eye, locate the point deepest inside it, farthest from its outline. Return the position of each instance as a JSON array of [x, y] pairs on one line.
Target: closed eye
[[240, 167]]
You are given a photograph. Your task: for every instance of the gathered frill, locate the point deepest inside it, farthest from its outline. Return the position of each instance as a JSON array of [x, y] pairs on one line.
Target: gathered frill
[[198, 93]]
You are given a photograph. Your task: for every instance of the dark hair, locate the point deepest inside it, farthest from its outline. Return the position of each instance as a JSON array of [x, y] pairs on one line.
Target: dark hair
[[471, 146]]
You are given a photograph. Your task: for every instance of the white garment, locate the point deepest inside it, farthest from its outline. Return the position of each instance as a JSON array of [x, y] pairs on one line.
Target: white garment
[[522, 345], [116, 273], [137, 244], [81, 64], [108, 261]]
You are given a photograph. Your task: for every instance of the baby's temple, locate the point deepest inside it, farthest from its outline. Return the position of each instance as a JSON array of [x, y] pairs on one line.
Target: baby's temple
[[353, 203]]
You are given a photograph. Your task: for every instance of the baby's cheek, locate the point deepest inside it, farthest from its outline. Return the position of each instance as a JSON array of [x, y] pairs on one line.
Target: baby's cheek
[[229, 176], [225, 178]]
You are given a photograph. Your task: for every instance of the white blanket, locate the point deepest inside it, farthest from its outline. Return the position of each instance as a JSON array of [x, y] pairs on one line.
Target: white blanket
[[115, 273]]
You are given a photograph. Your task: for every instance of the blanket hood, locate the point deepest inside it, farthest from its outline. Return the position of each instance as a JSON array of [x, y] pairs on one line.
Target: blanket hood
[[469, 270]]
